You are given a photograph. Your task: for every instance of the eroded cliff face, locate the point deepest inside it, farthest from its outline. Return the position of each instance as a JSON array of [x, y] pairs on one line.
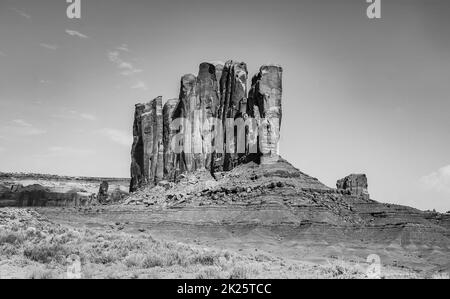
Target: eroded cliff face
[[39, 190], [265, 105], [215, 124]]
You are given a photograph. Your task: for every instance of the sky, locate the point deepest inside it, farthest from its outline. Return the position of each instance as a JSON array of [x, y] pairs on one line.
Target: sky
[[360, 95]]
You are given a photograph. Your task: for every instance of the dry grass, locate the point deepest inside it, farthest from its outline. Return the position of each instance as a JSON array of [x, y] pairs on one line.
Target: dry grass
[[341, 270], [42, 251], [119, 255]]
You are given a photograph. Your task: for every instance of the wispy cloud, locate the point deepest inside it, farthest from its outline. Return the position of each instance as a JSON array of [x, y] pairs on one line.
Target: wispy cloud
[[37, 102], [76, 33], [22, 123], [117, 136], [438, 181], [88, 116], [19, 127], [124, 48], [74, 115], [49, 47], [126, 68], [139, 85], [69, 151], [44, 81], [21, 13]]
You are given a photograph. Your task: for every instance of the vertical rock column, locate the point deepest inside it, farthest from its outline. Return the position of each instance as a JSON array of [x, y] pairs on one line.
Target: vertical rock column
[[208, 93], [137, 151], [233, 95], [147, 155], [148, 121], [170, 167], [265, 100], [157, 166], [185, 111], [220, 145]]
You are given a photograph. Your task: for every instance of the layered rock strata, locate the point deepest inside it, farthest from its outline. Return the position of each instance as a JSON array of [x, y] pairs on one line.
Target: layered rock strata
[[39, 190]]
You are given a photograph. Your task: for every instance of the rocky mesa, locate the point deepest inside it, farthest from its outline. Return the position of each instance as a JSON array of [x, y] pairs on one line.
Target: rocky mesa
[[40, 190], [186, 161]]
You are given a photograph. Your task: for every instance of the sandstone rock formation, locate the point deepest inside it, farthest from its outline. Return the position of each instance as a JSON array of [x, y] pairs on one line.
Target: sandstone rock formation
[[265, 104], [137, 150], [215, 124], [39, 190], [290, 204], [170, 158], [233, 104], [102, 195], [147, 159], [355, 184]]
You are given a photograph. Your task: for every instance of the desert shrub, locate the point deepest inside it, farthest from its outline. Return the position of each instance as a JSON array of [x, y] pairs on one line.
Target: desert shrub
[[240, 272], [105, 250], [42, 274], [134, 260], [341, 270], [67, 237], [152, 261], [46, 253], [174, 257], [262, 258], [10, 237], [102, 257], [227, 255], [8, 249], [209, 273], [205, 258], [127, 244]]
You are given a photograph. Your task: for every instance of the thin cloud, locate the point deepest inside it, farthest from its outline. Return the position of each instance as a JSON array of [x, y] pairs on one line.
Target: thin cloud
[[117, 136], [22, 123], [124, 48], [76, 33], [88, 116], [2, 54], [438, 181], [49, 47], [69, 151], [37, 102], [74, 115], [43, 81], [2, 149], [20, 128], [126, 68], [139, 85], [21, 13]]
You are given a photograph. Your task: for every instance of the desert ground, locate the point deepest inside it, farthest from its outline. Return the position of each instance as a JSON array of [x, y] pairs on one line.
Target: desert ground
[[253, 222], [43, 244]]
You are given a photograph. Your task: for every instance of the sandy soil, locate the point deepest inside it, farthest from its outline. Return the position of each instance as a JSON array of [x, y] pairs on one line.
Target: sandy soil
[[36, 246]]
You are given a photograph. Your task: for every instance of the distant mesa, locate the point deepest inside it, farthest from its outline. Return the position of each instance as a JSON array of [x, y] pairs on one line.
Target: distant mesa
[[40, 190]]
